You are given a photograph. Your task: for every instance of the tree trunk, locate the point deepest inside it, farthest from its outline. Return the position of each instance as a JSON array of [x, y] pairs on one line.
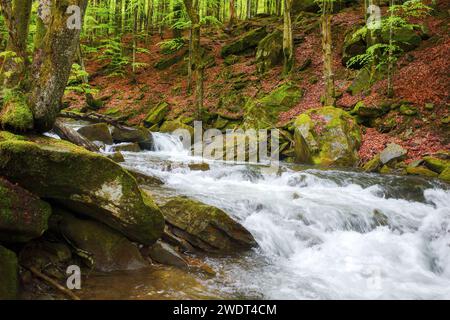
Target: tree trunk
[[17, 18], [232, 13], [288, 42], [52, 62], [327, 54]]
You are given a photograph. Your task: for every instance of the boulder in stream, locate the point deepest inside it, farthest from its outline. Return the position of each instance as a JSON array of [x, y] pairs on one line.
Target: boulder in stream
[[327, 136], [97, 132], [206, 227], [23, 216], [85, 182]]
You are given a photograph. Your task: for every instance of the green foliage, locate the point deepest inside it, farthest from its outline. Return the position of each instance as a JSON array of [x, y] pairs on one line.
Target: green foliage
[[76, 81], [171, 45], [379, 53], [111, 50]]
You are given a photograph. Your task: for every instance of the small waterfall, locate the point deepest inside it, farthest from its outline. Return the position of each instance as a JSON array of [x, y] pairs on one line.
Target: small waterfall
[[168, 143]]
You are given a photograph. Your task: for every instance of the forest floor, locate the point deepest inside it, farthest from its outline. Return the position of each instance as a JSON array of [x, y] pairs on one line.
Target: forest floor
[[421, 77]]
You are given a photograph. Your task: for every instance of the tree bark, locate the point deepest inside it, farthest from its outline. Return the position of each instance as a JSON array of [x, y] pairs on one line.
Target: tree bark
[[327, 54], [288, 42], [66, 133], [52, 63], [17, 17]]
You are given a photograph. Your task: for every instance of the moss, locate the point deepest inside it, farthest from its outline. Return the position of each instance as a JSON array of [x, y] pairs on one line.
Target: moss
[[373, 165], [210, 228], [87, 182], [422, 171], [327, 136], [270, 51], [157, 114], [16, 115], [264, 112], [9, 274], [445, 175], [436, 164], [172, 125], [407, 110]]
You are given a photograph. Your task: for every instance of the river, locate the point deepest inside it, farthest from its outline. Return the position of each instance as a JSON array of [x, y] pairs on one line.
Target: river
[[322, 234]]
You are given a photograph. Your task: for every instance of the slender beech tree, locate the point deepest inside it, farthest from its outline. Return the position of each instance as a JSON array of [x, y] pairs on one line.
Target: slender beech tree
[[195, 66], [288, 41], [232, 13], [325, 24]]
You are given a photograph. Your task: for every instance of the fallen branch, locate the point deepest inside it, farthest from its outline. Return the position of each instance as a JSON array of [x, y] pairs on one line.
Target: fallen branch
[[53, 283], [92, 117], [69, 134]]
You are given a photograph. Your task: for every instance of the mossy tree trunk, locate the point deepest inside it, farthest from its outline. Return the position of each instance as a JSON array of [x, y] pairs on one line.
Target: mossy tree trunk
[[17, 17], [52, 63], [288, 42], [327, 9]]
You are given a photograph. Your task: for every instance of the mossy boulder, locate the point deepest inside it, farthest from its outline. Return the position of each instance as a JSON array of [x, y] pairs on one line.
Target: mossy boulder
[[129, 134], [165, 63], [436, 164], [421, 171], [327, 136], [15, 114], [172, 125], [354, 44], [247, 42], [104, 248], [407, 110], [9, 275], [370, 111], [97, 132], [86, 182], [269, 52], [157, 114], [206, 227], [126, 147], [406, 37], [264, 112], [364, 79], [373, 165], [23, 216], [445, 175]]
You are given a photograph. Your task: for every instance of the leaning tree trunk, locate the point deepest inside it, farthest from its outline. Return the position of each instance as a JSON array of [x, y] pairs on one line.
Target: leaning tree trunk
[[327, 54], [17, 17], [53, 59], [288, 42]]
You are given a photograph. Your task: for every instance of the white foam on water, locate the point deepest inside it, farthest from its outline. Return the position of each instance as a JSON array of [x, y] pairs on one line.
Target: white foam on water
[[321, 234]]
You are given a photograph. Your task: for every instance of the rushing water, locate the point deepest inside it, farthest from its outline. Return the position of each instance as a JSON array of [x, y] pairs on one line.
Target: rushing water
[[321, 233]]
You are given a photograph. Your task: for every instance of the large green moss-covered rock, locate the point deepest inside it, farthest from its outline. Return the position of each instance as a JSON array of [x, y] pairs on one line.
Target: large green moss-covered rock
[[157, 114], [206, 227], [172, 125], [269, 52], [87, 182], [23, 216], [327, 136], [264, 112], [405, 37], [9, 274], [246, 42], [436, 164], [105, 249]]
